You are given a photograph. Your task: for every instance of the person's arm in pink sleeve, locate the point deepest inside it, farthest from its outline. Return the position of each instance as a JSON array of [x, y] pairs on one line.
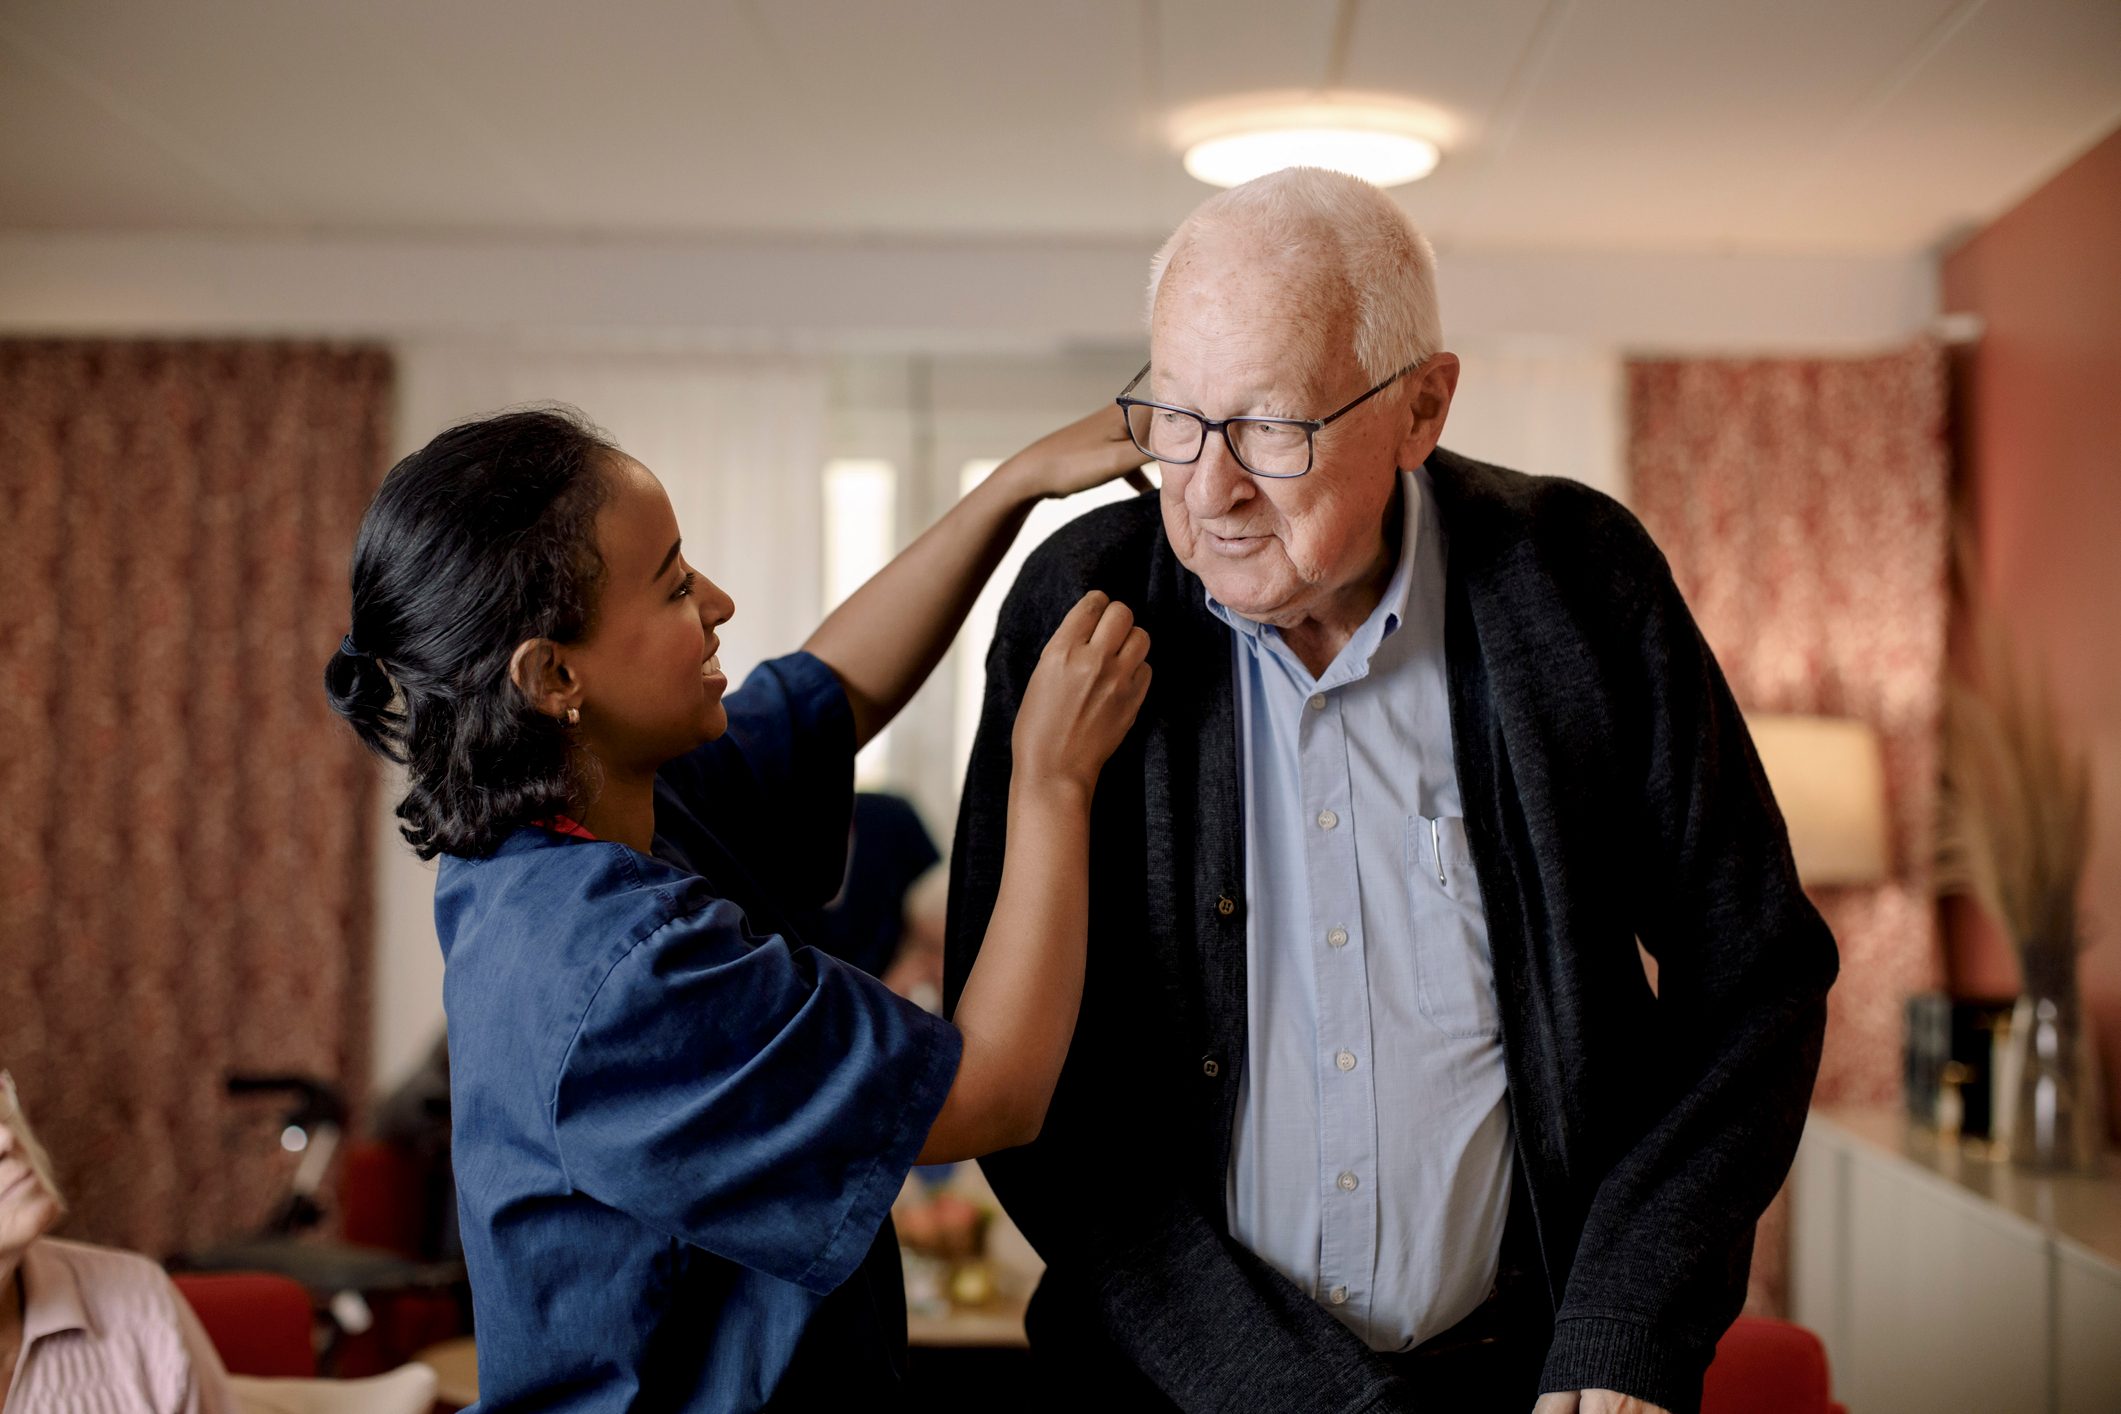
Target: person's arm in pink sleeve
[[196, 1382]]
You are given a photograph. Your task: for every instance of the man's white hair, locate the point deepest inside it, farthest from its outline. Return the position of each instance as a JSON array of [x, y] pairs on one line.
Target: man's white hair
[[1388, 265]]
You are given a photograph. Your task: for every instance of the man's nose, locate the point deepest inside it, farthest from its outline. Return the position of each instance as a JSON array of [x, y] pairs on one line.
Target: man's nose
[[1218, 484]]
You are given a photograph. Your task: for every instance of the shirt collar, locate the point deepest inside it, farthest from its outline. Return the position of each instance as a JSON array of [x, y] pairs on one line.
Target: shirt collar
[[1391, 610], [51, 1296]]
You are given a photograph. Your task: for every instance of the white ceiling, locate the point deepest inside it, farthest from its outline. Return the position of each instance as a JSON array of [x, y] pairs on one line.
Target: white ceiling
[[1848, 126]]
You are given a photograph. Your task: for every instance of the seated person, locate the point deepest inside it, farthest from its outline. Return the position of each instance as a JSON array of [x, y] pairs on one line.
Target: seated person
[[917, 972], [86, 1327]]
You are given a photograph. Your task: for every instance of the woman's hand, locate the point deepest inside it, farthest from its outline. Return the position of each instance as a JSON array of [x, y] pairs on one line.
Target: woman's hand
[[1087, 452], [1083, 696]]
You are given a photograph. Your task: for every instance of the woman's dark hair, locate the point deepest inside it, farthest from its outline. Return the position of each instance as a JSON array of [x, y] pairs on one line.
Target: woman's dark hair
[[481, 539]]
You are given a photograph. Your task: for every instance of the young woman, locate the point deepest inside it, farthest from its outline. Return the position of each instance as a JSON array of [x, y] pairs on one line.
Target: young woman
[[678, 1131]]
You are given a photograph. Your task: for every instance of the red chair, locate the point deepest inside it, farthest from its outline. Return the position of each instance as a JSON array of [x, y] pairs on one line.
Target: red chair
[[259, 1324], [380, 1197], [1765, 1366], [382, 1204]]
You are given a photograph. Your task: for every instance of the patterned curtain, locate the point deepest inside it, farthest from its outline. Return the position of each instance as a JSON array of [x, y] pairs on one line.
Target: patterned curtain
[[1804, 506], [185, 872]]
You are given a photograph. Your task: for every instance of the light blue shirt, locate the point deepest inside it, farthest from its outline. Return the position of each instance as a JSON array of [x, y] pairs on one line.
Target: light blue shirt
[[1371, 1158]]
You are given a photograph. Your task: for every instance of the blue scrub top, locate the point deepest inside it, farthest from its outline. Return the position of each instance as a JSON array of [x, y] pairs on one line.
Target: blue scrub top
[[679, 1131]]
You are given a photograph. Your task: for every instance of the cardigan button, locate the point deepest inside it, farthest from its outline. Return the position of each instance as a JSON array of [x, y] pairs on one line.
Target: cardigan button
[[1226, 906], [1209, 1067]]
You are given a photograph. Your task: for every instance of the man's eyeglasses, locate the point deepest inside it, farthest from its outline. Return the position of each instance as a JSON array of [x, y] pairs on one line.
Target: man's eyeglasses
[[1278, 447]]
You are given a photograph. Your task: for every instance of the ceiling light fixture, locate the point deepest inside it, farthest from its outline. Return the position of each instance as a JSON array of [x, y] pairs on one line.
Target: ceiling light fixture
[[1382, 140]]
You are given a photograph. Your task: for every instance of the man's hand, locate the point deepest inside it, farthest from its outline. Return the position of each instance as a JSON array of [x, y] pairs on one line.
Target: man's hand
[[1594, 1401]]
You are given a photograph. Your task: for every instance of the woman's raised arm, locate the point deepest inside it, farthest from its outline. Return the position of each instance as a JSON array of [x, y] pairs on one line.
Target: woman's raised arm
[[889, 635]]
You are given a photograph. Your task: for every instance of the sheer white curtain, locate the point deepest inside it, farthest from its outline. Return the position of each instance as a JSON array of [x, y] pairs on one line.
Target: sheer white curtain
[[1551, 411], [739, 445]]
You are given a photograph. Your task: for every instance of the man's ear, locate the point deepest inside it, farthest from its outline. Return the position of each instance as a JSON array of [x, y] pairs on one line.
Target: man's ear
[[1429, 393], [546, 682]]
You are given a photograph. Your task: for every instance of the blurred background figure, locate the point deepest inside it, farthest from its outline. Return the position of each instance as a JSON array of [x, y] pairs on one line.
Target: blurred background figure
[[867, 923], [917, 971], [84, 1327]]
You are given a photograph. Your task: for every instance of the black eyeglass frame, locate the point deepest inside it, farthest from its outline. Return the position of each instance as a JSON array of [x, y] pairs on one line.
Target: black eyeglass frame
[[1311, 426]]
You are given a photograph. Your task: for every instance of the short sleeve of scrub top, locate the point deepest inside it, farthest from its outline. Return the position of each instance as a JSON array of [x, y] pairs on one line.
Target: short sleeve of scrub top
[[732, 1088], [754, 1100]]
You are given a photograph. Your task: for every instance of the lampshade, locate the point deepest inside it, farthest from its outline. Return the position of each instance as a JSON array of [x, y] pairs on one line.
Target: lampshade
[[1384, 139], [1829, 779], [1383, 159]]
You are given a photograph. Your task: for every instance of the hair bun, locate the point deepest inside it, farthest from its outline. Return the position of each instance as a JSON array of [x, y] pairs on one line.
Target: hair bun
[[362, 692]]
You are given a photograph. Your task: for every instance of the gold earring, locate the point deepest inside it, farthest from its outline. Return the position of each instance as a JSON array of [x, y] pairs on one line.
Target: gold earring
[[574, 716]]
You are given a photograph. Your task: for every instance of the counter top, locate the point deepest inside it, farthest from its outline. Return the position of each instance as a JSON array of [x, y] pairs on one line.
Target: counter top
[[2082, 1210]]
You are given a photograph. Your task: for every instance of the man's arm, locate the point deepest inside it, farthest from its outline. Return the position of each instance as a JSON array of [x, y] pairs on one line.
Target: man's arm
[[1744, 964], [1103, 1193]]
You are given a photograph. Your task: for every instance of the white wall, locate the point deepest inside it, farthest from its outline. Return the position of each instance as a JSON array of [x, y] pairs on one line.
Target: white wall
[[408, 959], [1554, 408], [890, 296], [942, 352]]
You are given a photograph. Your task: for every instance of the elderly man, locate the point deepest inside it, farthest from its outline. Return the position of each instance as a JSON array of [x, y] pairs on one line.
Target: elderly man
[[1372, 1105]]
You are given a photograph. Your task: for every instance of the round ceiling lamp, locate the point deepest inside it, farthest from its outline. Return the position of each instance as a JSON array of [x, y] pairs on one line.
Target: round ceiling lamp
[[1384, 141]]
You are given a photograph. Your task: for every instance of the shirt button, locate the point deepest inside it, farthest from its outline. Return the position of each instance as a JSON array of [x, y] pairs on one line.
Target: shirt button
[[1338, 1296], [1337, 937], [1318, 702], [1348, 1181], [1327, 819], [1345, 1060]]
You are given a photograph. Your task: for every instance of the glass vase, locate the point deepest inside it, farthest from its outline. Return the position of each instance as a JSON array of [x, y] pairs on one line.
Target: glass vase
[[2055, 1118]]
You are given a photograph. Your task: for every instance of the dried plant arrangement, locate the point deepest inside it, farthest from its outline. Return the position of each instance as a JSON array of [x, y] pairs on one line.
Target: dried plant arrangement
[[2014, 834]]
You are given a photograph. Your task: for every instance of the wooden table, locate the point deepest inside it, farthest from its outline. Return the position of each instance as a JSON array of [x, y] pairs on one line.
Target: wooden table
[[996, 1327], [456, 1367]]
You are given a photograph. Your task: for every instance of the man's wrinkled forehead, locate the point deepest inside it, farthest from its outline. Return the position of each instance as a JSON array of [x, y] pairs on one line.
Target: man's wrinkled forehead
[[1304, 265], [1232, 308]]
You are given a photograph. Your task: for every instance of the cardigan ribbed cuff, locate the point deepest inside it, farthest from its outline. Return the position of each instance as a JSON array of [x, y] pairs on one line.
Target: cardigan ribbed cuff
[[1598, 1352]]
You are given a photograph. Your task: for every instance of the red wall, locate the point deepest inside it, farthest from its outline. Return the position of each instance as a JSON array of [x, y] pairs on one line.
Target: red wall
[[2041, 462]]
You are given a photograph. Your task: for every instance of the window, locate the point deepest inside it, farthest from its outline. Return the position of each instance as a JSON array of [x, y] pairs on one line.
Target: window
[[861, 530]]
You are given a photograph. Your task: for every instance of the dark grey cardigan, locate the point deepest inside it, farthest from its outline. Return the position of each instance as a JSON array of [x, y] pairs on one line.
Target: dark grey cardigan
[[1611, 792]]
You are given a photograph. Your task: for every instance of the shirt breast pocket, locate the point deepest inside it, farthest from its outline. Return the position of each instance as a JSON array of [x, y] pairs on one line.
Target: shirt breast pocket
[[1455, 972]]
